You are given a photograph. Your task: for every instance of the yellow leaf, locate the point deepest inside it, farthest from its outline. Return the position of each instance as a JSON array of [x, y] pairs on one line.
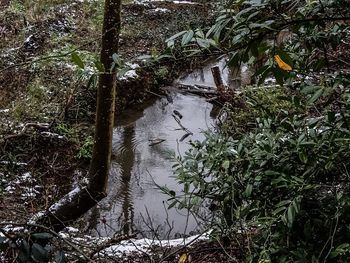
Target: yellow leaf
[[183, 258], [283, 65]]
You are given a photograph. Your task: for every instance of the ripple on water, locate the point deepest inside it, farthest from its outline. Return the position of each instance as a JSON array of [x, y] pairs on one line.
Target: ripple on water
[[133, 201]]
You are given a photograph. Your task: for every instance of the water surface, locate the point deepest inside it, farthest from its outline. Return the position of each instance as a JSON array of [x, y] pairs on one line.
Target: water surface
[[134, 203]]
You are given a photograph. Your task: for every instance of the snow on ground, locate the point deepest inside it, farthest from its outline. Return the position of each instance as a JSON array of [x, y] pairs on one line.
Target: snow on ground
[[131, 73], [144, 245], [26, 185], [65, 199]]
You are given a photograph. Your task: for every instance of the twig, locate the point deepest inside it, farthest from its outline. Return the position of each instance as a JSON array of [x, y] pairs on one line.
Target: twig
[[111, 242], [182, 127], [155, 142]]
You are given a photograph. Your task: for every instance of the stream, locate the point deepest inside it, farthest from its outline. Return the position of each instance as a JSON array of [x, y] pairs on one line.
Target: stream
[[144, 142]]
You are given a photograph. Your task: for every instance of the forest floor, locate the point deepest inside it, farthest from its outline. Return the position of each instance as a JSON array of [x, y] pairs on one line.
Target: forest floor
[[47, 103], [47, 106]]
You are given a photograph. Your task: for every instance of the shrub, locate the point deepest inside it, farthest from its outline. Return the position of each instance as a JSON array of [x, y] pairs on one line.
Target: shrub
[[286, 177]]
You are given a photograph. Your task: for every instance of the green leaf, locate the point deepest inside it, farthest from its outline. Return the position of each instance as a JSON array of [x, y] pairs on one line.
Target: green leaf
[[2, 239], [203, 43], [248, 190], [341, 250], [77, 60], [330, 116], [280, 75], [99, 66], [172, 204], [303, 157], [187, 38], [316, 96], [39, 254], [24, 250], [145, 57], [117, 60], [226, 164], [176, 36], [186, 187], [122, 71], [42, 236], [60, 257], [290, 216], [278, 210]]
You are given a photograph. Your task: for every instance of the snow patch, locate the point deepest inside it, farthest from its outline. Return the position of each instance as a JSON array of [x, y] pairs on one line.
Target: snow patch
[[36, 217], [130, 74], [144, 245], [51, 135], [161, 10], [65, 199]]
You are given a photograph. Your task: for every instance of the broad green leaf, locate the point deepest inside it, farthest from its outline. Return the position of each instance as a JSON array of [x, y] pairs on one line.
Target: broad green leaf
[[122, 72], [2, 239], [316, 96], [42, 236], [77, 60], [186, 38], [248, 190], [145, 57], [175, 36], [203, 43], [39, 254], [226, 164], [60, 257], [290, 216], [99, 66], [24, 250]]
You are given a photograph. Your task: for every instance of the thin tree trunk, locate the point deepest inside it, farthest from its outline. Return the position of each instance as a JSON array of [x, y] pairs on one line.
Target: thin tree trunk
[[100, 163], [80, 200]]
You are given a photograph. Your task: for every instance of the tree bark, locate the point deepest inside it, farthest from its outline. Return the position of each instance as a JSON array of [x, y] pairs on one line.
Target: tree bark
[[80, 200], [100, 163]]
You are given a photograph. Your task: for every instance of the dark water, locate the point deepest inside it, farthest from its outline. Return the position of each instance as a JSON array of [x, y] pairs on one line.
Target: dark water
[[134, 203]]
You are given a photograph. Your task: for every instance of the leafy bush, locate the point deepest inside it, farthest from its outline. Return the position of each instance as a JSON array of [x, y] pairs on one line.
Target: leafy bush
[[275, 37], [276, 177], [31, 247], [287, 178]]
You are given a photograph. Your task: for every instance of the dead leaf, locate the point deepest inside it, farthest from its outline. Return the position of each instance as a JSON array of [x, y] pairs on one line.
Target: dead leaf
[[183, 258], [283, 65]]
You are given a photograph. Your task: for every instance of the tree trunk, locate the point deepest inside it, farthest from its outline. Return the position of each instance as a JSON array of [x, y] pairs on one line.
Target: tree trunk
[[80, 200], [100, 163]]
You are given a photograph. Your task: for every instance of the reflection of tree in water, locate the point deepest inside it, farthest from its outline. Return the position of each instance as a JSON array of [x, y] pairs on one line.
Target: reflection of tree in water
[[126, 160]]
